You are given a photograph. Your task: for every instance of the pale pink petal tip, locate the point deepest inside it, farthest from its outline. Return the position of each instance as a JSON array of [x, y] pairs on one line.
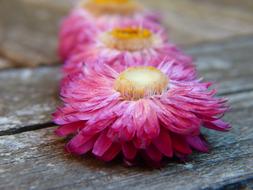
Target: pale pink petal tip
[[218, 125]]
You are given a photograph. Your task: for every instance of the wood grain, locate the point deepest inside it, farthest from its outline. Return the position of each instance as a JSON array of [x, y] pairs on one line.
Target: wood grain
[[197, 21], [227, 63], [28, 31], [28, 97], [37, 161], [28, 28], [217, 33]]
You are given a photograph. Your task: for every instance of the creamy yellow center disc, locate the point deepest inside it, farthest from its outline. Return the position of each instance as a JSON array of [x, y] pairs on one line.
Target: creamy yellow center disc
[[139, 82]]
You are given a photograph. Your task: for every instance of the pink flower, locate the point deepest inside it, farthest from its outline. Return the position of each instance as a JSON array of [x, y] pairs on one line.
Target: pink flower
[[81, 25], [143, 110], [128, 44]]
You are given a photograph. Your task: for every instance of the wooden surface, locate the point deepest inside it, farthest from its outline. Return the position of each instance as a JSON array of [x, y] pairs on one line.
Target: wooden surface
[[28, 28], [217, 33]]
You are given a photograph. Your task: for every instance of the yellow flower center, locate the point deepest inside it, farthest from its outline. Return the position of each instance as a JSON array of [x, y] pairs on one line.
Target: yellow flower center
[[128, 39], [110, 1], [131, 33], [118, 7], [142, 81]]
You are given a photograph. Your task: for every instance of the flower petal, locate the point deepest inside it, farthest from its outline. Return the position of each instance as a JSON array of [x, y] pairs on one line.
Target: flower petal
[[164, 144], [180, 145], [218, 125], [197, 143], [68, 129], [77, 142], [112, 152], [129, 150], [153, 153], [102, 144]]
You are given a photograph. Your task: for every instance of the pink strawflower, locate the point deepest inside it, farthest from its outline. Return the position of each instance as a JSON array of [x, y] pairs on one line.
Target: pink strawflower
[[128, 44], [89, 16], [147, 111]]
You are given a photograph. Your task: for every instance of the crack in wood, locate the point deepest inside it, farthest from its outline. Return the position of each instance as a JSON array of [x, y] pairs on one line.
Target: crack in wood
[[26, 128]]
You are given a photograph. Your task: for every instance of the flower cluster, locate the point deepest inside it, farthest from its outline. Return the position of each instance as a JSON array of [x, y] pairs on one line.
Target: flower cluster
[[127, 90]]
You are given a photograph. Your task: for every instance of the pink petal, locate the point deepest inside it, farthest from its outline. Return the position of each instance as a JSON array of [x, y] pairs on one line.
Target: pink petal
[[152, 126], [68, 129], [112, 152], [153, 153], [218, 125], [129, 150], [102, 144], [83, 148], [197, 143], [164, 144], [180, 145], [78, 141]]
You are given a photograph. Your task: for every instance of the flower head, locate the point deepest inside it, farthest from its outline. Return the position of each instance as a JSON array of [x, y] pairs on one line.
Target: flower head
[[155, 112], [128, 44], [90, 16]]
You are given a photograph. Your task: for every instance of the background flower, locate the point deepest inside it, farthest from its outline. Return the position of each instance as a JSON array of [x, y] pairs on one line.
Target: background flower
[[128, 44], [81, 25]]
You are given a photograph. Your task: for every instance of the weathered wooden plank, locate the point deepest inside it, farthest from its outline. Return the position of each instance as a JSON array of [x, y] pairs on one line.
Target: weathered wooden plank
[[228, 63], [195, 21], [36, 160], [28, 28], [28, 96]]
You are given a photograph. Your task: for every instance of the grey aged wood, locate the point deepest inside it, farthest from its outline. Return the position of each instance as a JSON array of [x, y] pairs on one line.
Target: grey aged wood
[[28, 97], [218, 33], [36, 160], [227, 63], [196, 21], [28, 28]]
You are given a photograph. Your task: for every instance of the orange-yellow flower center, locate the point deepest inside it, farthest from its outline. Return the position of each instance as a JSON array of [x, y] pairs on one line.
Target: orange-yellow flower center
[[110, 1], [131, 33], [140, 82], [129, 39], [118, 7]]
